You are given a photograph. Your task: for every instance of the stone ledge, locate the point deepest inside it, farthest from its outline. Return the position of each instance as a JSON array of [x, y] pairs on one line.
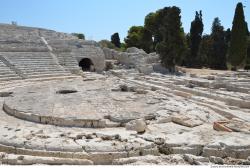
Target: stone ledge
[[54, 120]]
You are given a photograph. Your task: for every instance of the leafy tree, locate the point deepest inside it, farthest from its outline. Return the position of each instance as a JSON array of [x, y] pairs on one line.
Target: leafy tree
[[139, 37], [115, 39], [173, 46], [79, 35], [217, 52], [195, 40], [147, 41], [238, 45], [152, 23], [107, 44], [134, 36], [123, 47]]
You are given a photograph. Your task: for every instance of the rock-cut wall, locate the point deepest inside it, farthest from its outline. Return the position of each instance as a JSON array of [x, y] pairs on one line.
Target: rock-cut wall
[[136, 58], [79, 50]]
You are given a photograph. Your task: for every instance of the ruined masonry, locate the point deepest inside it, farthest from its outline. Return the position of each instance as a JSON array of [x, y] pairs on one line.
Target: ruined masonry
[[66, 101]]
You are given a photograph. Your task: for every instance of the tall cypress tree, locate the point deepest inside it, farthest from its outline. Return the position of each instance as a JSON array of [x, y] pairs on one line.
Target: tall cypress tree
[[228, 36], [218, 50], [238, 45], [115, 39], [248, 55], [205, 48], [248, 33], [195, 39], [173, 46]]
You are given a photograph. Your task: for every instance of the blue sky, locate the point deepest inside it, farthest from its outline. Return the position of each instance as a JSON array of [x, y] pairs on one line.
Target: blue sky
[[98, 19]]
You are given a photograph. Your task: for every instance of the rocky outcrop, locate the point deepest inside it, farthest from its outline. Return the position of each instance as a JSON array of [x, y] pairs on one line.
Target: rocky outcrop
[[134, 58]]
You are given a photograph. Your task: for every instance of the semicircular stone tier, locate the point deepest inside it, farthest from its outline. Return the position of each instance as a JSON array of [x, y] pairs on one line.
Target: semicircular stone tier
[[94, 105]]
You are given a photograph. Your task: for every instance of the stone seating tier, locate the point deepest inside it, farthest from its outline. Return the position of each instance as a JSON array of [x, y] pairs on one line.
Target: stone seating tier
[[6, 73], [35, 63], [67, 60], [22, 47]]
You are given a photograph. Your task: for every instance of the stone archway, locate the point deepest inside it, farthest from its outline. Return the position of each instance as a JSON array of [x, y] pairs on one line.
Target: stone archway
[[86, 64]]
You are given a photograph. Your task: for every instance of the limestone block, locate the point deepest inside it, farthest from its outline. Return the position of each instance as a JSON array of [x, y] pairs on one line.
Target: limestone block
[[239, 154], [34, 143], [111, 124], [106, 158], [135, 50], [54, 144], [238, 126], [197, 160], [13, 142], [186, 121], [7, 149], [80, 155], [145, 69], [152, 151], [70, 146], [133, 153], [137, 125], [102, 146], [164, 119], [124, 117], [187, 150], [218, 152], [160, 69], [152, 58], [30, 160], [182, 94], [216, 160], [108, 53], [124, 161]]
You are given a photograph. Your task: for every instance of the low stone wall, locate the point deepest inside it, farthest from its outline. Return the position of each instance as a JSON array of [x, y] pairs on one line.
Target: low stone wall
[[83, 123]]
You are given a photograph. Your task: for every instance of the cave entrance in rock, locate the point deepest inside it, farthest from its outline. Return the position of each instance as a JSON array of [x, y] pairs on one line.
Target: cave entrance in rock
[[86, 64]]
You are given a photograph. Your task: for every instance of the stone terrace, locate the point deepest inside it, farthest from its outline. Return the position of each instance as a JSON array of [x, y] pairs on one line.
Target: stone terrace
[[35, 53], [179, 113]]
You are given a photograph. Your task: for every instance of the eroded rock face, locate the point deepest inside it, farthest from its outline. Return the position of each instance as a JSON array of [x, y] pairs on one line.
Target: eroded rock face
[[134, 58]]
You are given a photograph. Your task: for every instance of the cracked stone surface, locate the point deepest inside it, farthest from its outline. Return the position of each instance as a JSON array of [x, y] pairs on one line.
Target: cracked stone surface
[[39, 126]]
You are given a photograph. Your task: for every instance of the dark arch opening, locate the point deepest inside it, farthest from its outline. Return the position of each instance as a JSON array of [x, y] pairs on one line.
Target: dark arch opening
[[86, 64]]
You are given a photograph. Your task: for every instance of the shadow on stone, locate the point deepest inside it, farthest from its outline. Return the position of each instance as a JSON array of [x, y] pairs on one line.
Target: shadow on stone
[[6, 94], [66, 91]]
